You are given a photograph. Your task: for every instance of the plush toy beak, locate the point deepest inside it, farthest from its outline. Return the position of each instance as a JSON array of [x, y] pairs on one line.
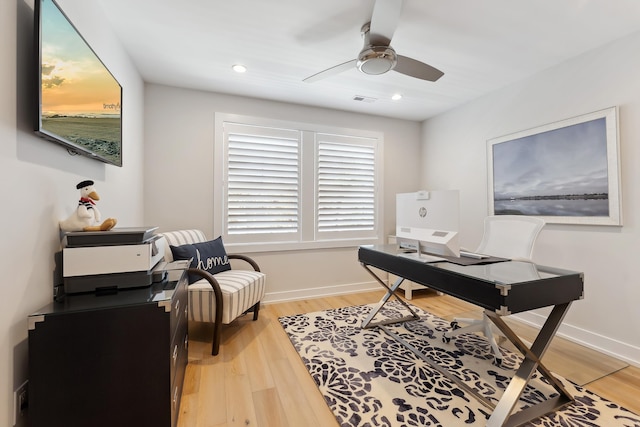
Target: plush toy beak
[[94, 195]]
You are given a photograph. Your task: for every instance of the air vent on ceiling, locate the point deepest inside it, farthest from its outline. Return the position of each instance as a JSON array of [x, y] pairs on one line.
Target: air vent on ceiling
[[361, 98]]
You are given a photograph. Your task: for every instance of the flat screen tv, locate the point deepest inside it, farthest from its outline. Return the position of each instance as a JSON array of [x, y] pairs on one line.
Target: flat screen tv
[[80, 101]]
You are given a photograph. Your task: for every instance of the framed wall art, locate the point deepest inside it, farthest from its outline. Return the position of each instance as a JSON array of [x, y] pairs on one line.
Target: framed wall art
[[566, 172]]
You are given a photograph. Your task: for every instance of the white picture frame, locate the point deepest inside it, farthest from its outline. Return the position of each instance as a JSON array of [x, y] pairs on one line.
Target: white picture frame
[[566, 172]]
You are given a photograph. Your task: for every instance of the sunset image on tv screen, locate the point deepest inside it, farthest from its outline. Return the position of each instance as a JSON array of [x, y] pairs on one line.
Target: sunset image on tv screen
[[80, 98]]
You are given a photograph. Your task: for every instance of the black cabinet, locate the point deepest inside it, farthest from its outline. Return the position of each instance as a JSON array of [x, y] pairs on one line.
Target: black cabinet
[[110, 360]]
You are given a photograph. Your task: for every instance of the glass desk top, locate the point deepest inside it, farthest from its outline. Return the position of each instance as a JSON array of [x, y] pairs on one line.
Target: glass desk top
[[505, 287]]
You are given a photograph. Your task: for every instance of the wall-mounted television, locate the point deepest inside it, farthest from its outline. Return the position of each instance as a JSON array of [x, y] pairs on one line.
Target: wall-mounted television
[[80, 101]]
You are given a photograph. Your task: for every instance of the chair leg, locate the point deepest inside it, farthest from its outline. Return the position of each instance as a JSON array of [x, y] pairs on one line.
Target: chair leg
[[473, 325], [484, 325], [256, 309], [217, 331], [488, 332]]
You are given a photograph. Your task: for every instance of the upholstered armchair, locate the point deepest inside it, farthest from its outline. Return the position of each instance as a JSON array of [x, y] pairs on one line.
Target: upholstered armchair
[[217, 293]]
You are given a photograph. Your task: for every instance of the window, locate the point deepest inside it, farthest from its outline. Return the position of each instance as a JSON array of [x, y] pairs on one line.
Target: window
[[345, 185], [283, 186]]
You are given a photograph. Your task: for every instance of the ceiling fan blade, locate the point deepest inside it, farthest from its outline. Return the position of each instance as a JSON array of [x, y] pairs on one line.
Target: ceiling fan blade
[[332, 71], [417, 69], [384, 21]]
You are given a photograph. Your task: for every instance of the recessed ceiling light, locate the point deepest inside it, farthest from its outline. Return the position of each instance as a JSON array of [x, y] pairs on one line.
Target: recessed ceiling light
[[239, 68], [396, 97]]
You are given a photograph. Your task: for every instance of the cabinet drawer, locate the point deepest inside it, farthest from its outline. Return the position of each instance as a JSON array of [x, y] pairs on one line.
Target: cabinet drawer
[[178, 348], [179, 305], [176, 385]]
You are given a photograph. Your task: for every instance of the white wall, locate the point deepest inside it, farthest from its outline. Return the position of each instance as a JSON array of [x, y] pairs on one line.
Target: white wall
[[179, 179], [38, 178], [454, 156]]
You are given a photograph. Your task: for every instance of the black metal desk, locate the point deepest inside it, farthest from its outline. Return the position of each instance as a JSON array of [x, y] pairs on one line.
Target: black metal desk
[[500, 288]]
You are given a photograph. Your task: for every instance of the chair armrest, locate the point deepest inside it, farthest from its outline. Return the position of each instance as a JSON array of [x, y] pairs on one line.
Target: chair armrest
[[246, 259], [216, 290]]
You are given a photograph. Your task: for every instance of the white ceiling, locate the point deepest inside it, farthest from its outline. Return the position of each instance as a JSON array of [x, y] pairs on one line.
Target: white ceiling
[[481, 45]]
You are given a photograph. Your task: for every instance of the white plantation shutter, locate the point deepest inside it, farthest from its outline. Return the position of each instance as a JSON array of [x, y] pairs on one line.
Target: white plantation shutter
[[262, 181], [286, 186], [346, 196]]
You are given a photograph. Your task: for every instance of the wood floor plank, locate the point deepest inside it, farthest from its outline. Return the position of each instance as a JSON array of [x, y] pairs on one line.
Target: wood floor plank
[[303, 402], [239, 404], [622, 387], [257, 363], [268, 408], [212, 406], [191, 383], [188, 415], [271, 338]]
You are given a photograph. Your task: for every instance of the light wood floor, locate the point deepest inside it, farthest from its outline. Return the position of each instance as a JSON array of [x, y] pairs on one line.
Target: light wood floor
[[259, 380]]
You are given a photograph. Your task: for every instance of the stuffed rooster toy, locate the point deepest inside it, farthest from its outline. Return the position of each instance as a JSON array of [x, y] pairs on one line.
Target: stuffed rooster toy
[[86, 217]]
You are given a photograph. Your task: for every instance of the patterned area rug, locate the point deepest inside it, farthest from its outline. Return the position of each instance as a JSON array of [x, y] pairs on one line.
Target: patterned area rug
[[368, 379]]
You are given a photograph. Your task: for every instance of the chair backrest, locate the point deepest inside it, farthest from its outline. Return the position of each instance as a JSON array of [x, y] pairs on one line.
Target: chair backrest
[[181, 237], [510, 236]]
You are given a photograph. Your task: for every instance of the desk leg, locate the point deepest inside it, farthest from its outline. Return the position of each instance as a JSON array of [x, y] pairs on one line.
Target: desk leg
[[390, 291], [502, 416]]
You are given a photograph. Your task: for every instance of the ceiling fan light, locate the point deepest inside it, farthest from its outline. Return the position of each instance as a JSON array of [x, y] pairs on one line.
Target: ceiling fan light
[[377, 60], [396, 97]]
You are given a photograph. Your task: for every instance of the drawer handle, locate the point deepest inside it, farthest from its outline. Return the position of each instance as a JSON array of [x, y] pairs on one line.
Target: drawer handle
[[177, 306], [175, 398], [186, 312], [186, 341], [175, 353]]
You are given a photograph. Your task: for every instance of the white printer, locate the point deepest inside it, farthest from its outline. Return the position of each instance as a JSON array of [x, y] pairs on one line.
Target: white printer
[[110, 260]]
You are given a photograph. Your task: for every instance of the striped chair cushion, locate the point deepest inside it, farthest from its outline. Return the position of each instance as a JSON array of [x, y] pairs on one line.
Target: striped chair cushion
[[241, 289]]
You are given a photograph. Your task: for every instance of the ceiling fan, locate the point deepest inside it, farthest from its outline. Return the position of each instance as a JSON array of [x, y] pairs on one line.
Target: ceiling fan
[[377, 56]]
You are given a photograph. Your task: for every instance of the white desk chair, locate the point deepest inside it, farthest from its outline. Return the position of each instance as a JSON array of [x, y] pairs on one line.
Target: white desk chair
[[505, 236]]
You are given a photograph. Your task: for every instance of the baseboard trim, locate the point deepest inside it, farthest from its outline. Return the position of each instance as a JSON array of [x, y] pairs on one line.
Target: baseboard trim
[[302, 294], [614, 348]]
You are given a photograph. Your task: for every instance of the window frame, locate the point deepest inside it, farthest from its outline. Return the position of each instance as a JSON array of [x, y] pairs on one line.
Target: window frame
[[307, 237]]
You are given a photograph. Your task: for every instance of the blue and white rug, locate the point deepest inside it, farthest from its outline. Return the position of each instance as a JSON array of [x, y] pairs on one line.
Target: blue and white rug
[[370, 380]]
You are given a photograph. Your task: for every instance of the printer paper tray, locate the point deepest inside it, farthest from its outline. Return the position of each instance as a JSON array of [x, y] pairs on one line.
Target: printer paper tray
[[103, 282]]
